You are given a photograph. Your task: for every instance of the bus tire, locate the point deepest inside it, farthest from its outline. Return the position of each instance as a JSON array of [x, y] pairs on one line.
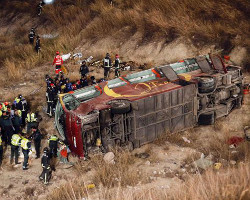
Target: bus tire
[[207, 118], [206, 84]]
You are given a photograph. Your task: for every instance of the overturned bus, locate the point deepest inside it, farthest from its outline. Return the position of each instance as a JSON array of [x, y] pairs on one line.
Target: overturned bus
[[136, 109]]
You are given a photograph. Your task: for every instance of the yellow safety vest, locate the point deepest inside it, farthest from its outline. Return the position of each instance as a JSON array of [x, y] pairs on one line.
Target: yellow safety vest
[[19, 113], [53, 138], [15, 139], [1, 140], [24, 143], [31, 117], [17, 100], [1, 113], [4, 107]]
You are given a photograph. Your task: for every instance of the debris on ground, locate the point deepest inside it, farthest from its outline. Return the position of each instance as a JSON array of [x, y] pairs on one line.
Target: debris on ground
[[66, 56], [203, 162], [235, 141], [142, 155], [49, 36], [109, 158], [217, 165], [247, 133], [186, 140]]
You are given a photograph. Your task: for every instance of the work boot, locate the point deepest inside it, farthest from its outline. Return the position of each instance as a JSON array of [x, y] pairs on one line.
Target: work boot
[[25, 168]]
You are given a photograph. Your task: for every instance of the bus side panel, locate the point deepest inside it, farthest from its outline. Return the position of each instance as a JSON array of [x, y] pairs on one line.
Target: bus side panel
[[171, 111]]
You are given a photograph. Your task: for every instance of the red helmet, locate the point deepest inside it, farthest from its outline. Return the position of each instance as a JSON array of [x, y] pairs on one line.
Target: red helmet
[[6, 103], [52, 84], [57, 53], [1, 106], [116, 55]]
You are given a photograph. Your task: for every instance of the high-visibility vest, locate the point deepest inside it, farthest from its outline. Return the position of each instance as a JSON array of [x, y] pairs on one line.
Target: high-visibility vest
[[24, 143], [19, 113], [1, 113], [17, 100], [58, 60], [31, 117], [4, 107], [1, 140], [106, 62], [53, 138], [15, 139]]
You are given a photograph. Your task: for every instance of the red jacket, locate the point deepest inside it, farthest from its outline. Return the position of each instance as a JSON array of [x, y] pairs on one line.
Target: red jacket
[[58, 60]]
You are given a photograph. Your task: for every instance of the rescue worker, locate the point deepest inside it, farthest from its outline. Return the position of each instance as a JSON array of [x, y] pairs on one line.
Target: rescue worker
[[83, 82], [53, 145], [58, 61], [48, 80], [37, 137], [1, 148], [84, 70], [45, 162], [38, 44], [7, 127], [17, 121], [26, 147], [50, 96], [107, 65], [68, 86], [57, 87], [93, 80], [32, 35], [31, 120], [117, 66], [15, 143], [21, 104], [40, 7]]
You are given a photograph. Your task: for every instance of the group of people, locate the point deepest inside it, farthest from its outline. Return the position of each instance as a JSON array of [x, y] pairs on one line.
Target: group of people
[[32, 37]]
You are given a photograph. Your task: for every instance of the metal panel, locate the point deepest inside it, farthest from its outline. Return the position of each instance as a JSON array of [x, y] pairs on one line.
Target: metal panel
[[169, 73], [176, 111], [204, 64], [150, 132], [189, 93], [149, 105], [162, 115], [189, 120], [177, 124]]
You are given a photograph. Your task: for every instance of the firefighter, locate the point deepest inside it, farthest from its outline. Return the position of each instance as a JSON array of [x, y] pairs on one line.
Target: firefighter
[[15, 143], [50, 96], [26, 147], [32, 34], [31, 120], [40, 7], [84, 70], [7, 127], [37, 137], [117, 65], [107, 65], [1, 148], [45, 162], [38, 44], [17, 121], [58, 61]]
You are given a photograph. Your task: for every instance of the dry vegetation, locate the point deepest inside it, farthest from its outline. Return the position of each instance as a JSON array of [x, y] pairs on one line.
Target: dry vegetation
[[223, 23]]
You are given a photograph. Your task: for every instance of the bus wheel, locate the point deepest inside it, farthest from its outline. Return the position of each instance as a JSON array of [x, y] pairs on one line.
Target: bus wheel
[[120, 107]]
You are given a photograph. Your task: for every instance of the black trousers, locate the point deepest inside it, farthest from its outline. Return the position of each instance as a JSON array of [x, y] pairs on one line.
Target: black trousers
[[106, 72], [53, 148], [26, 158], [31, 40], [50, 108], [17, 129], [1, 154], [14, 153], [24, 115], [46, 174], [37, 147], [117, 73], [9, 132]]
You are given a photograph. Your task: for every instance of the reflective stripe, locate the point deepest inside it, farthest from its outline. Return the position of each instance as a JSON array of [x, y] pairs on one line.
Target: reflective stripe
[[24, 143], [1, 140], [58, 60], [15, 139], [53, 138], [106, 62], [31, 117], [1, 113], [17, 100], [19, 113]]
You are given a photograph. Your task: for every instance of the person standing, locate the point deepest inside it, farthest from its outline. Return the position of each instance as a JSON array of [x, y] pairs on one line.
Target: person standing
[[117, 66], [53, 145], [58, 61], [107, 65], [38, 44], [21, 104], [45, 162], [31, 120], [26, 147], [15, 143], [40, 7], [37, 137], [50, 96], [32, 35], [17, 121], [84, 70], [7, 127], [83, 82], [93, 80]]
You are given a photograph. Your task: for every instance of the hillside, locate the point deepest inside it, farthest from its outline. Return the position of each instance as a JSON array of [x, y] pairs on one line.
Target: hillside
[[145, 32]]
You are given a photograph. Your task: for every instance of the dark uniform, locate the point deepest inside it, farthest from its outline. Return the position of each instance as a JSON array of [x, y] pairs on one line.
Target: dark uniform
[[7, 128], [84, 70], [22, 105], [107, 65], [15, 143], [37, 137], [1, 149], [31, 120], [117, 66], [26, 147], [32, 35], [83, 82], [53, 145], [51, 95], [38, 44], [45, 162], [17, 122]]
